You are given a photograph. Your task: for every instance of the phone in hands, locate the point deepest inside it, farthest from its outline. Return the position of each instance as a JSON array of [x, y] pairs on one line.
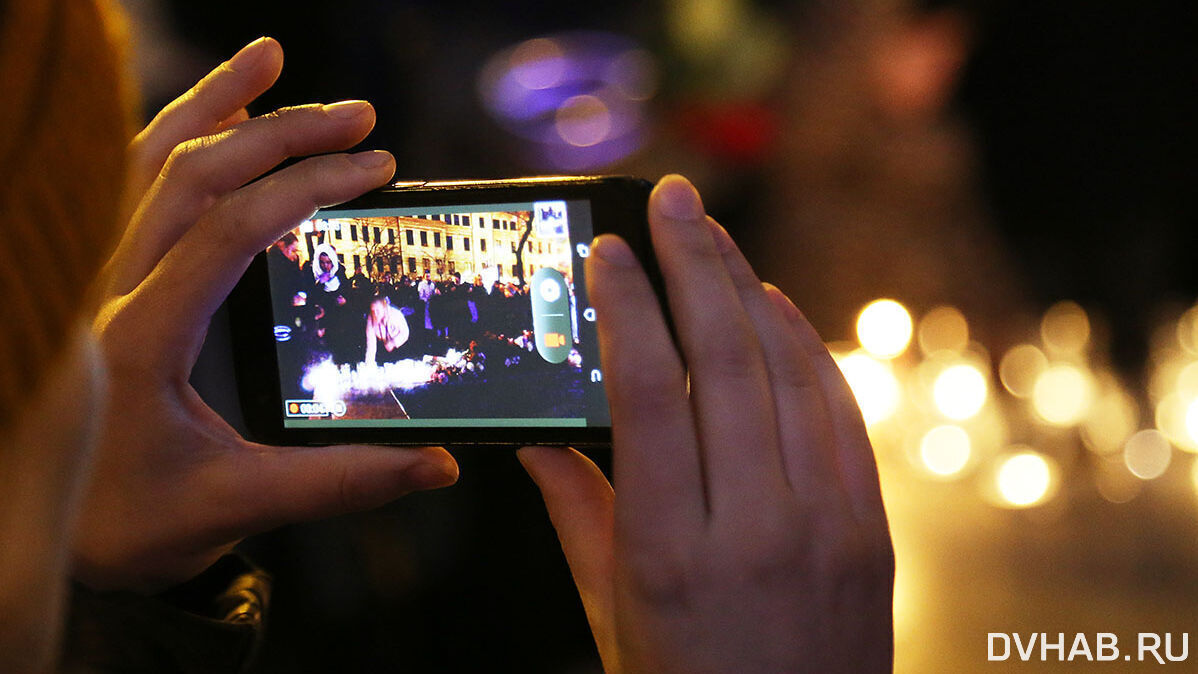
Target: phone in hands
[[435, 313]]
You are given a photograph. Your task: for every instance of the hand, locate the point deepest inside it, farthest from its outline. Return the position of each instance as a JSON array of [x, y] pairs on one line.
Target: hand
[[748, 534], [175, 486]]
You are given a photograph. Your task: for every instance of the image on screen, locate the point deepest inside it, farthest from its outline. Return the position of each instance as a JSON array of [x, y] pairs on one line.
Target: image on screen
[[450, 315]]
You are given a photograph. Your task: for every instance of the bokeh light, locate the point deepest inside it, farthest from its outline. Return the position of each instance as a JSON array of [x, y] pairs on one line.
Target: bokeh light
[[874, 386], [1065, 328], [960, 391], [1020, 368], [1172, 413], [1111, 420], [583, 121], [943, 329], [1192, 421], [1024, 479], [884, 328], [538, 63], [576, 101], [1147, 454], [945, 450], [1187, 331], [1062, 395]]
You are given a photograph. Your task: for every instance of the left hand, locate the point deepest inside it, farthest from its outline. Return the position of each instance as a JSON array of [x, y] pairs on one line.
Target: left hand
[[175, 486]]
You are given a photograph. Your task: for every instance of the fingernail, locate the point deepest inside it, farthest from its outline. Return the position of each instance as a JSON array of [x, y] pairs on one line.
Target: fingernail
[[371, 160], [432, 475], [613, 250], [249, 55], [677, 199], [345, 109]]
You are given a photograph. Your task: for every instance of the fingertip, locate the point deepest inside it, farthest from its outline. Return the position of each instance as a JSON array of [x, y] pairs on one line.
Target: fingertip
[[613, 250], [676, 198], [723, 240], [428, 476], [373, 160], [780, 300], [265, 53]]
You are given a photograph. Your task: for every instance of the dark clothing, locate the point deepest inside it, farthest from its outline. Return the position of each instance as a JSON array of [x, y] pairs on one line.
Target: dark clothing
[[209, 625]]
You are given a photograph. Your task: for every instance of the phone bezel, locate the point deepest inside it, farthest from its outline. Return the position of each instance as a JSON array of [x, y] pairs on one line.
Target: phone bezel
[[618, 206]]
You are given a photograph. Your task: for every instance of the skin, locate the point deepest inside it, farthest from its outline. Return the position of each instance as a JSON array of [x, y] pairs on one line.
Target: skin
[[174, 486], [748, 533]]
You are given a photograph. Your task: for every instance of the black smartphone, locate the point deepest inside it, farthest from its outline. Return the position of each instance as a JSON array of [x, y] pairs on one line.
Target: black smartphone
[[435, 313]]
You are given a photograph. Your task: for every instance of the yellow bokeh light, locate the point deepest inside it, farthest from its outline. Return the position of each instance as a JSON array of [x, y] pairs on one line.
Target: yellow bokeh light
[[1020, 368], [1062, 395], [1147, 454], [943, 329], [945, 450], [1187, 331], [884, 328], [1112, 419], [1171, 418], [874, 386], [960, 391], [1186, 381], [1192, 421], [1065, 328], [1024, 479]]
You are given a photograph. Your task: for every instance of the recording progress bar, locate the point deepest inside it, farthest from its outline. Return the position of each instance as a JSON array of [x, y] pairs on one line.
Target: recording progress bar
[[435, 423]]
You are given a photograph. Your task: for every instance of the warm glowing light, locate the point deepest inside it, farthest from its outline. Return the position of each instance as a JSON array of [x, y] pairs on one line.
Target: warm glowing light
[[1020, 368], [943, 329], [700, 26], [1186, 382], [1192, 421], [884, 328], [1187, 331], [1172, 419], [945, 450], [1024, 479], [873, 384], [1062, 395], [583, 121], [1065, 328], [1147, 454], [1112, 419], [960, 391]]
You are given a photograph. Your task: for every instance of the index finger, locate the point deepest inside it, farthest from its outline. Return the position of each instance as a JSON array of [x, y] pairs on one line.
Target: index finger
[[211, 103]]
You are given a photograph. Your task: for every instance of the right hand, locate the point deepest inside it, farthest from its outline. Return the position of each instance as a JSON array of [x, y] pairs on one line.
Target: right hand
[[747, 532]]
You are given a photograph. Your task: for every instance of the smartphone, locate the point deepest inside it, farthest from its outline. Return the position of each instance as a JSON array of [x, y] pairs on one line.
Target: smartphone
[[435, 313]]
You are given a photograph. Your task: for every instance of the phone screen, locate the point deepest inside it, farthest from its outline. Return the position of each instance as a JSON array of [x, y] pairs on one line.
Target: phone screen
[[454, 315]]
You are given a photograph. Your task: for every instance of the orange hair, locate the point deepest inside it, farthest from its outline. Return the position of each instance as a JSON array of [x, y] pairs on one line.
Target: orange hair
[[66, 119]]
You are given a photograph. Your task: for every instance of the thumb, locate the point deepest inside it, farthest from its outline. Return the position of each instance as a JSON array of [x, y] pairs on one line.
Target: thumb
[[580, 504], [279, 485]]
